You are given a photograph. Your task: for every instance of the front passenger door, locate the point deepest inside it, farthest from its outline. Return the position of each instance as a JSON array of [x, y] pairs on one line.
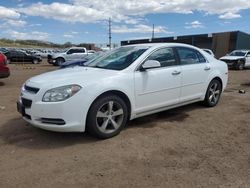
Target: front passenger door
[[158, 87]]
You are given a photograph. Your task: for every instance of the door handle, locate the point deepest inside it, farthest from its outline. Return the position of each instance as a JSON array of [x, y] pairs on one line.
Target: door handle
[[176, 72], [207, 68]]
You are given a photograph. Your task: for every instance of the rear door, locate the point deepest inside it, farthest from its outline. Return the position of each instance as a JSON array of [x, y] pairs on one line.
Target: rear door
[[195, 72], [159, 87]]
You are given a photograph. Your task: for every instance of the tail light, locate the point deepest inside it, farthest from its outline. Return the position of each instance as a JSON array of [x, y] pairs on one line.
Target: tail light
[[5, 60]]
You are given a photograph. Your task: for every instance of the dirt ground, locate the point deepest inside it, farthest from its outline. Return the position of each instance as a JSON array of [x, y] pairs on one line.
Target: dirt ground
[[191, 146]]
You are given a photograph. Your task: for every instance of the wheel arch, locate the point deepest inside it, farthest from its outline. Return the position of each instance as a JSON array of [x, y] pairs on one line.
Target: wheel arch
[[118, 93], [60, 57], [219, 79]]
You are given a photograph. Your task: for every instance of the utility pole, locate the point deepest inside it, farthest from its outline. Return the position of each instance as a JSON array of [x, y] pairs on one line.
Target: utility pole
[[153, 32], [110, 33]]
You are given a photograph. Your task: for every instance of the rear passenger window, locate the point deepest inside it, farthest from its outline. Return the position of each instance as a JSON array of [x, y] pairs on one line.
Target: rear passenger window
[[165, 56], [190, 56]]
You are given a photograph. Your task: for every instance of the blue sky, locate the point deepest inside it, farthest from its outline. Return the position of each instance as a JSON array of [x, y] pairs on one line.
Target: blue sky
[[80, 21]]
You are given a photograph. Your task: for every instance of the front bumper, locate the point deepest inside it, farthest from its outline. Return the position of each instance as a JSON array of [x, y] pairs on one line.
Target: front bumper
[[51, 61], [231, 63], [60, 116]]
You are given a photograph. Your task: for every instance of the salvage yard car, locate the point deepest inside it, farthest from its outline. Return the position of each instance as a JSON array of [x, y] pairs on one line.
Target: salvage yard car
[[70, 54], [4, 70], [20, 56], [238, 59], [124, 84], [83, 61]]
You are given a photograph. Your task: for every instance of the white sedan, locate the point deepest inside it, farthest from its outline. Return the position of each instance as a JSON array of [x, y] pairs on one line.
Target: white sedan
[[127, 83]]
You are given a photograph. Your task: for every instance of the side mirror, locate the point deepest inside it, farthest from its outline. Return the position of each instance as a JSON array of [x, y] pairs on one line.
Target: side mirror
[[248, 55], [150, 64]]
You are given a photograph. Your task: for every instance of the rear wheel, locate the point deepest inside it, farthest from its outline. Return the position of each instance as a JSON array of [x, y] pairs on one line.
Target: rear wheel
[[107, 117], [213, 93]]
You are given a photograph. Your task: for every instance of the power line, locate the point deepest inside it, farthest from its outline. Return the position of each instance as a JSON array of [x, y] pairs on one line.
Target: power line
[[110, 37], [153, 32]]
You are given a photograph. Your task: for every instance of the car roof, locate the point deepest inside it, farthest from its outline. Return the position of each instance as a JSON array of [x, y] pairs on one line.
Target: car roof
[[244, 51], [161, 45]]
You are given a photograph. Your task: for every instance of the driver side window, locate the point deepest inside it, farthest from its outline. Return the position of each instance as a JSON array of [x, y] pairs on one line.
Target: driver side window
[[165, 56]]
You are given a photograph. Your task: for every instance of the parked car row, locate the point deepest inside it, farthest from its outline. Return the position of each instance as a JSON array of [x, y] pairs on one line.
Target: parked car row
[[55, 57]]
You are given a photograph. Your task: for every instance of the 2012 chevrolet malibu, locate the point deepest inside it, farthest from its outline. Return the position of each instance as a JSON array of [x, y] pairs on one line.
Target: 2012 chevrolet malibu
[[124, 84]]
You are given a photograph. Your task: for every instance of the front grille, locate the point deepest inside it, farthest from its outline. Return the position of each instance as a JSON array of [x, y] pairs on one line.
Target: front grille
[[31, 89], [228, 61], [26, 103]]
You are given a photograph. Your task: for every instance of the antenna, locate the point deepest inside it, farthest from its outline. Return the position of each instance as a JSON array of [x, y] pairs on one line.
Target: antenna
[[110, 33]]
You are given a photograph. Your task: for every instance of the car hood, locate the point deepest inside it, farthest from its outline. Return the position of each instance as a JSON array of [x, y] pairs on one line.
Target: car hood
[[231, 57], [74, 62], [75, 75], [54, 55]]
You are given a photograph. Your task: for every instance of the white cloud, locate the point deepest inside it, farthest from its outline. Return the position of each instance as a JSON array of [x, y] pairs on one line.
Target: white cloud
[[8, 13], [140, 29], [36, 35], [35, 25], [63, 12], [194, 25], [131, 11], [70, 34], [16, 23], [229, 15]]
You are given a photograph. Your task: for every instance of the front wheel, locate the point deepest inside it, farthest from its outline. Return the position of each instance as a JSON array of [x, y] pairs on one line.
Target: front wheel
[[213, 93], [59, 61], [240, 65], [107, 117], [35, 61]]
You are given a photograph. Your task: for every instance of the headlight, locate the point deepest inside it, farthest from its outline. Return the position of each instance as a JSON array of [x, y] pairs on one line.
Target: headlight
[[60, 93]]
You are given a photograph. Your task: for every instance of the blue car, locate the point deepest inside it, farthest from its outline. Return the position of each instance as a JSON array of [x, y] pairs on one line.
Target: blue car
[[81, 62]]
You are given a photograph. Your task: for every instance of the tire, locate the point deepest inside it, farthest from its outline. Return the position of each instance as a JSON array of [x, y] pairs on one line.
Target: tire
[[107, 116], [35, 61], [59, 61], [240, 65], [213, 93]]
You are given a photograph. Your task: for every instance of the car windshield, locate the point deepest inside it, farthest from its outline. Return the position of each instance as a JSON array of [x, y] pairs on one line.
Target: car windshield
[[237, 53], [119, 58]]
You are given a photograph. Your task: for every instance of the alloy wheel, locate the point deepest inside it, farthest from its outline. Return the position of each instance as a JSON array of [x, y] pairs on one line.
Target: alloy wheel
[[109, 117], [214, 93]]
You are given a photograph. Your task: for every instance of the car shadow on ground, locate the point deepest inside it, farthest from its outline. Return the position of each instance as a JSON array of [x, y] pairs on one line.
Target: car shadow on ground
[[174, 115], [2, 83], [19, 133]]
